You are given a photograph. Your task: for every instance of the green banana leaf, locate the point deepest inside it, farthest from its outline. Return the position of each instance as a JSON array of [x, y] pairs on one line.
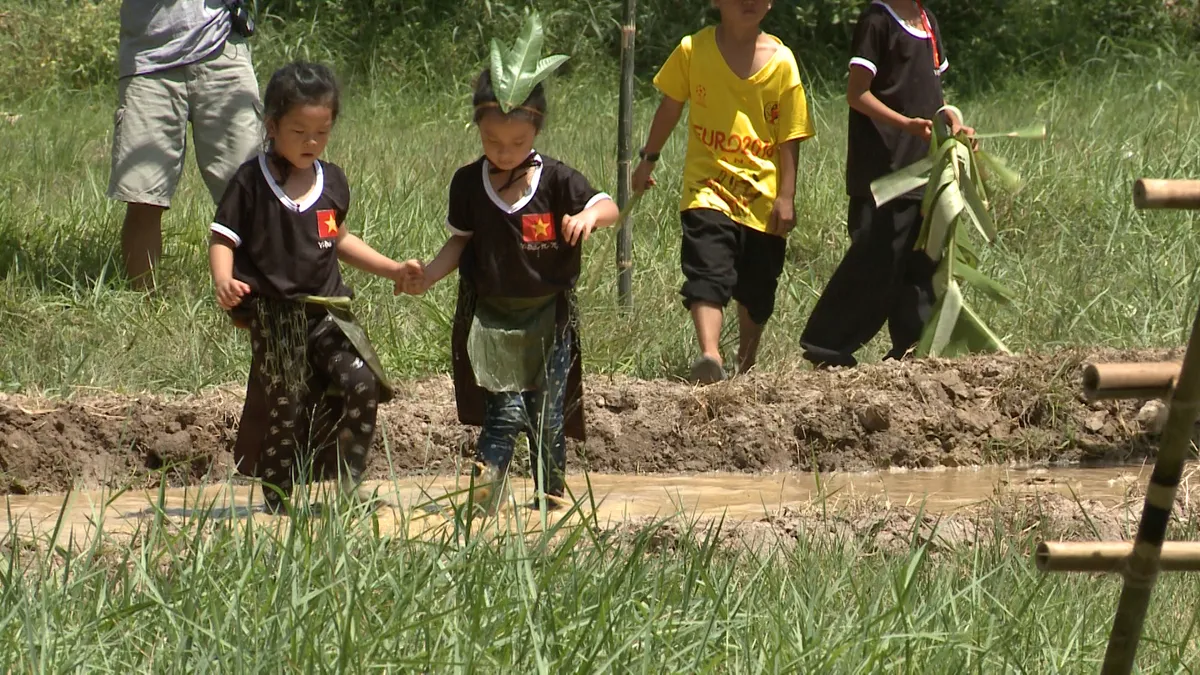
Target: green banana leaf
[[947, 207], [976, 279], [515, 74], [977, 210], [956, 199], [992, 167], [901, 182], [938, 178], [937, 175], [968, 334], [965, 250], [940, 329]]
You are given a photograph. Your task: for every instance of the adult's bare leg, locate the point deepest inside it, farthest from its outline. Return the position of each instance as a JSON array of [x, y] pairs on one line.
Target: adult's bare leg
[[141, 243]]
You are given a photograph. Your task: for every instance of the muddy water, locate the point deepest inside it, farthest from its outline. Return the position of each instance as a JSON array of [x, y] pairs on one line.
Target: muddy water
[[422, 504]]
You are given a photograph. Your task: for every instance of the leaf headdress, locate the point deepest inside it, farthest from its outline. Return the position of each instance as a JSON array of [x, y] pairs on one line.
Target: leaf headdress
[[515, 74]]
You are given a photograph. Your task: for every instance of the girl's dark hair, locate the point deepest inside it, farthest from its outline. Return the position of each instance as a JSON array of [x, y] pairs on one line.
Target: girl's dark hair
[[533, 110], [300, 83], [296, 84]]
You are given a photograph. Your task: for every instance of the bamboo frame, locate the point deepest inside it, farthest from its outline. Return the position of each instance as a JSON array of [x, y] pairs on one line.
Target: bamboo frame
[[624, 157], [1112, 556], [1140, 561], [1112, 381], [1150, 193], [1141, 572]]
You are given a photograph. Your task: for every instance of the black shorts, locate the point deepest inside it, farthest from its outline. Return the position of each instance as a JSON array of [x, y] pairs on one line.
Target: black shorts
[[722, 260]]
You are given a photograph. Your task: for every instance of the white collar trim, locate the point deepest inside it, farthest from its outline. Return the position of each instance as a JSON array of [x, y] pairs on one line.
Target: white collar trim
[[915, 32], [313, 195], [523, 201]]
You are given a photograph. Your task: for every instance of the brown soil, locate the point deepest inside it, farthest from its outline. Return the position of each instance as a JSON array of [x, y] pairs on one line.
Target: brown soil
[[981, 410]]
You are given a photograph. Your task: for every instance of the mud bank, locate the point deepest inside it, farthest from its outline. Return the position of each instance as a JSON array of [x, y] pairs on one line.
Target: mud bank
[[983, 410]]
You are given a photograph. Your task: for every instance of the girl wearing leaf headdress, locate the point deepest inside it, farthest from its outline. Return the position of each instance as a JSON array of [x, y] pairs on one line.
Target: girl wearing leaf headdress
[[517, 220]]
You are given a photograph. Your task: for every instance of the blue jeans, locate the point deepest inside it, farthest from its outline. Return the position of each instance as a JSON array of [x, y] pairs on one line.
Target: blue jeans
[[537, 413]]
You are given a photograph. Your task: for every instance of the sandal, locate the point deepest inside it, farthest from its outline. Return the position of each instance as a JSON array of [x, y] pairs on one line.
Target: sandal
[[706, 370]]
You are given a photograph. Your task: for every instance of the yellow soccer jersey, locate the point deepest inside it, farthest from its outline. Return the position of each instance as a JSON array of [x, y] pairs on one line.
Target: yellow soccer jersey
[[734, 126]]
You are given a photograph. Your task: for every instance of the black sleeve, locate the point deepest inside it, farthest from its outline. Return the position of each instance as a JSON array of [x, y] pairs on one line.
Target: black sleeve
[[574, 192], [869, 46], [235, 212], [458, 217]]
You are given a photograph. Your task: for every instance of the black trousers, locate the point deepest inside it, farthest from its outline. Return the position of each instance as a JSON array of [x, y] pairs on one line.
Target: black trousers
[[331, 355], [880, 279], [723, 260]]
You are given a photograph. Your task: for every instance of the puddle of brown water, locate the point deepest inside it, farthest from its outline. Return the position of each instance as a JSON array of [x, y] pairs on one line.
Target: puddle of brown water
[[615, 497]]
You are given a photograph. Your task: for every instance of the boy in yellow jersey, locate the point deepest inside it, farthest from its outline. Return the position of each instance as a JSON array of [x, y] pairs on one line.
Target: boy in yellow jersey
[[747, 115]]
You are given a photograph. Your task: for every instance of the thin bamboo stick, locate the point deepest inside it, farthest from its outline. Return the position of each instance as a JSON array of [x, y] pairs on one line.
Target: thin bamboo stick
[[1111, 556], [1151, 193], [1109, 381], [624, 157], [1142, 570]]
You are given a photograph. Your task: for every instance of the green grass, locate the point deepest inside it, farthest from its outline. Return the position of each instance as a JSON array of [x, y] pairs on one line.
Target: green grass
[[1087, 268], [332, 594]]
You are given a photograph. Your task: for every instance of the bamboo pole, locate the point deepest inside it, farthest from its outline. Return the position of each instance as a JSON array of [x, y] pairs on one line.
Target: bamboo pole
[[1151, 193], [1142, 571], [1111, 381], [1112, 556], [624, 157]]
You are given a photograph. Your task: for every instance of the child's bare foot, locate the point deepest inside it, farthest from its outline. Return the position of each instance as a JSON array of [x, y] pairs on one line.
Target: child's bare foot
[[488, 488], [553, 503]]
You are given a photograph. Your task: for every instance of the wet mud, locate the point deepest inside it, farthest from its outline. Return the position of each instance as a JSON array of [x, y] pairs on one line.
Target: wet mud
[[881, 512], [1025, 409]]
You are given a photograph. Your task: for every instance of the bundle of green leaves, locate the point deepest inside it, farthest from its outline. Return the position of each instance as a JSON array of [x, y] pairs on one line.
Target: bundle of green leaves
[[959, 181]]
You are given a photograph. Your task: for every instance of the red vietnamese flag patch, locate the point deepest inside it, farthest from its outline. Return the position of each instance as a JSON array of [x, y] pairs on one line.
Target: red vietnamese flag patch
[[327, 225], [537, 227]]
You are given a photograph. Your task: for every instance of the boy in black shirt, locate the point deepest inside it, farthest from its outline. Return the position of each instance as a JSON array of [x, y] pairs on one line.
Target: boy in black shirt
[[894, 91]]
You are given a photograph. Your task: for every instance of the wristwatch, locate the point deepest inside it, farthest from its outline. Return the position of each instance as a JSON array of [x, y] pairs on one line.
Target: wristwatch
[[648, 156]]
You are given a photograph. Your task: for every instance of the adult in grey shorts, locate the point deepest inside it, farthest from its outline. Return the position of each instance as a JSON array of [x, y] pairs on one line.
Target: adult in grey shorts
[[180, 61]]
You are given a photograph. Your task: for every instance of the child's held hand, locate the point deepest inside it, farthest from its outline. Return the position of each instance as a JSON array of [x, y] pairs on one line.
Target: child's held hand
[[230, 292], [969, 131], [410, 278], [578, 228], [641, 179], [920, 128], [782, 218]]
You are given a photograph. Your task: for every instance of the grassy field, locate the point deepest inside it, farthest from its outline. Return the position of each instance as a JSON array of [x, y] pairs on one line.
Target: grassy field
[[331, 595], [1087, 268]]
